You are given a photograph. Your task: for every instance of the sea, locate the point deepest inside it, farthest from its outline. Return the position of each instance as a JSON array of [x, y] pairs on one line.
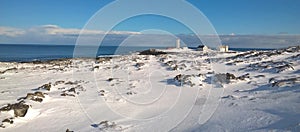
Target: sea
[[43, 52]]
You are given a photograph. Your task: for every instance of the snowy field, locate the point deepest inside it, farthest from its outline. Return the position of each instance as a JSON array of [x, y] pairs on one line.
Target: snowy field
[[168, 90]]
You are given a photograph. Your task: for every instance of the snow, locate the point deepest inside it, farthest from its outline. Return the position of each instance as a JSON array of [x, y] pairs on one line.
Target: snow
[[139, 92]]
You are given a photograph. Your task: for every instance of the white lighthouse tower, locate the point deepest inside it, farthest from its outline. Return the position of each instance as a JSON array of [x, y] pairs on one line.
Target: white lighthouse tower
[[178, 43]]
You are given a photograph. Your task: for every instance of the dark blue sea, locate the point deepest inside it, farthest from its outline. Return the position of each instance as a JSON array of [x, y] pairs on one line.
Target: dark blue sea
[[31, 52]]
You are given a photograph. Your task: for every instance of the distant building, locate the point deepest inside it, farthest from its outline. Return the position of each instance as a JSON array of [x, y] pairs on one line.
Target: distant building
[[178, 43], [223, 48], [202, 48]]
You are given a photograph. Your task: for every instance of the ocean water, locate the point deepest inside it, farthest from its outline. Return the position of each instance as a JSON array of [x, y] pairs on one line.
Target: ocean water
[[30, 52]]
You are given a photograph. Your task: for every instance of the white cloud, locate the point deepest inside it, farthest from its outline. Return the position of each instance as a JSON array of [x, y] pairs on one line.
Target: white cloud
[[11, 32], [52, 34]]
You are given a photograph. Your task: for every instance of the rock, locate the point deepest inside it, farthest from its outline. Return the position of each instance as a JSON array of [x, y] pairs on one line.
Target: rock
[[10, 69], [228, 77], [20, 109], [259, 76], [37, 99], [29, 96], [39, 94], [284, 82], [110, 79], [8, 107], [243, 77], [65, 94], [69, 130], [59, 82], [284, 67], [46, 86], [107, 126], [191, 80], [139, 65], [223, 78], [130, 93], [72, 90], [103, 59], [152, 52]]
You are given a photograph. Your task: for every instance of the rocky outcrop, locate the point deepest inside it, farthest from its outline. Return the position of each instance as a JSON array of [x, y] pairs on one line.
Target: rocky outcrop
[[20, 109], [284, 82], [226, 78], [36, 96], [45, 86], [103, 59], [152, 52], [139, 65], [190, 80], [10, 69], [270, 66], [107, 126]]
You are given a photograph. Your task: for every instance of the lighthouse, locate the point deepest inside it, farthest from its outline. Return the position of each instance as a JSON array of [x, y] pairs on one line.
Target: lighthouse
[[178, 43]]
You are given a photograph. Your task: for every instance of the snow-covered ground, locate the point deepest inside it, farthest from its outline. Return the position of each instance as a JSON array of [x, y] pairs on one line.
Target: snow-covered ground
[[183, 90]]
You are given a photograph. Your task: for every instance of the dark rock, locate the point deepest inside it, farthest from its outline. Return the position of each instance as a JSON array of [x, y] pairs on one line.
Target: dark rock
[[46, 86], [110, 79], [10, 69], [243, 77], [69, 130], [65, 94], [103, 59], [107, 126], [259, 76], [72, 90], [59, 82], [139, 65], [152, 52], [8, 120], [130, 93], [37, 99]]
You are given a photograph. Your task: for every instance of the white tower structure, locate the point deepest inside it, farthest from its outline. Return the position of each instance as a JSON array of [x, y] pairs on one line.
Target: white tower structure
[[178, 43]]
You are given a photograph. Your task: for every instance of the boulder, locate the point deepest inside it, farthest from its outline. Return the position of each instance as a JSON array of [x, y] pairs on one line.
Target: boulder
[[20, 109]]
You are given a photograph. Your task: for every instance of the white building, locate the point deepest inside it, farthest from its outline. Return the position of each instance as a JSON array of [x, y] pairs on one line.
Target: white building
[[223, 48], [202, 48]]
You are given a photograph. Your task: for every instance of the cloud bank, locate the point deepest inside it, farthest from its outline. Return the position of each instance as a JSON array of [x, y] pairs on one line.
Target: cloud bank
[[53, 34]]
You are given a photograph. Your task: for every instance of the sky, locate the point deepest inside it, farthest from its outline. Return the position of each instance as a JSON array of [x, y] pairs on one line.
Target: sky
[[40, 18]]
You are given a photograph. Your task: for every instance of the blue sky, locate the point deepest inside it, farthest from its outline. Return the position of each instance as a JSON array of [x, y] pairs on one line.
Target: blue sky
[[263, 23], [227, 16]]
